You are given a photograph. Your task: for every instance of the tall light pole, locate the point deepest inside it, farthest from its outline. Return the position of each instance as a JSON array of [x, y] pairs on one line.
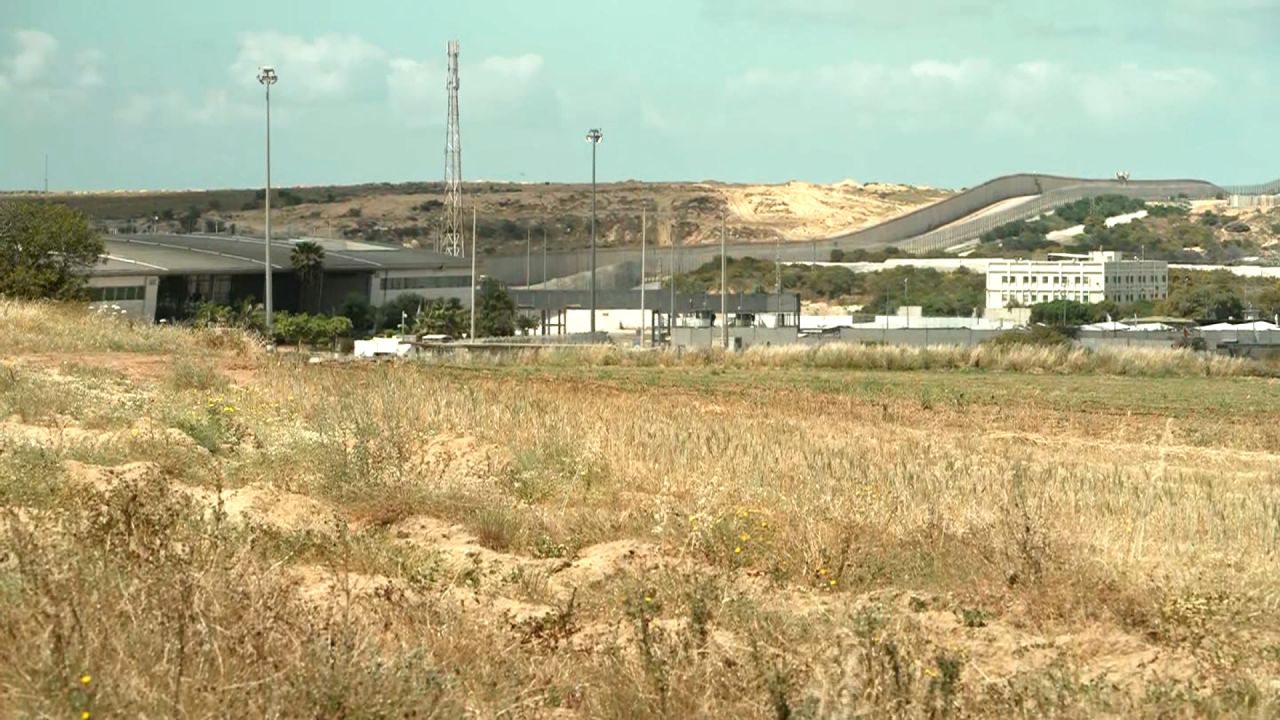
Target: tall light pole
[[267, 76], [724, 288], [594, 136], [675, 260], [474, 245], [644, 217]]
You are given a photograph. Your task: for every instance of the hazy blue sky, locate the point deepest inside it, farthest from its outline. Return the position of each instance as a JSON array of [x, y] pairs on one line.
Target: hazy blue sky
[[161, 94]]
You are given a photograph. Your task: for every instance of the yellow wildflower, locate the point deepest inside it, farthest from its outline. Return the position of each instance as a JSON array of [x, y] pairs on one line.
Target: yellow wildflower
[[738, 549], [744, 537], [85, 679]]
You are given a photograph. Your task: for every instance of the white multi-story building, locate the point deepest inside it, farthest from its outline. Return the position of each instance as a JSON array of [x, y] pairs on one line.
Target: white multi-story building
[[1090, 278]]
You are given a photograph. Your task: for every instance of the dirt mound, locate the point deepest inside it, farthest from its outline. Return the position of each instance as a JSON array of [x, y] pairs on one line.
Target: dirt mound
[[54, 436], [503, 610], [324, 587], [266, 506], [255, 504], [148, 429], [105, 478], [600, 562], [995, 650], [65, 433], [624, 636], [459, 461], [461, 554]]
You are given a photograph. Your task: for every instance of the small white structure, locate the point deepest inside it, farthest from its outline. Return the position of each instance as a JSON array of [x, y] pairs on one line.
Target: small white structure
[[1108, 326], [382, 347], [1091, 278], [912, 317], [1255, 326]]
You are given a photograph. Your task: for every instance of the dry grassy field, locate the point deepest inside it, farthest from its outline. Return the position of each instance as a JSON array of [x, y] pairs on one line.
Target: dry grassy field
[[191, 527]]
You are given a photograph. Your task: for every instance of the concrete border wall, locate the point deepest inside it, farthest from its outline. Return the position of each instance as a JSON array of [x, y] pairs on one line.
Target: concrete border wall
[[905, 230], [690, 338]]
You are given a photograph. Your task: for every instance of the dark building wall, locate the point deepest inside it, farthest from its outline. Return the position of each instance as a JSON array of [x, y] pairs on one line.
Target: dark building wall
[[338, 285]]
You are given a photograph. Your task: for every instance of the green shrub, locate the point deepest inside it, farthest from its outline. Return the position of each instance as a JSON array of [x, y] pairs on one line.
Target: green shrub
[[1038, 335]]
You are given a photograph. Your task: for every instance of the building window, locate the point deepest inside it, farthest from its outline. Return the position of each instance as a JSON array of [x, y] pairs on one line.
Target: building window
[[113, 294], [427, 281]]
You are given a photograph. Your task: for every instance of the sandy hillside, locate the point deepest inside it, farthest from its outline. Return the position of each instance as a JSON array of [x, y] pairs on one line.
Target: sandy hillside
[[764, 213], [412, 213]]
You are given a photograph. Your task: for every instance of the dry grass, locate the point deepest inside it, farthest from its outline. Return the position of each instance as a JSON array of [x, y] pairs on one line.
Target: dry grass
[[531, 541], [849, 356], [50, 327]]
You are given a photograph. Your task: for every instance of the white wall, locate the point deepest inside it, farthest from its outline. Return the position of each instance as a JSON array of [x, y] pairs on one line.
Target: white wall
[[578, 320], [143, 309]]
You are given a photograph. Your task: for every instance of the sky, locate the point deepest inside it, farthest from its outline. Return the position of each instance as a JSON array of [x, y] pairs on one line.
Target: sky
[[156, 94]]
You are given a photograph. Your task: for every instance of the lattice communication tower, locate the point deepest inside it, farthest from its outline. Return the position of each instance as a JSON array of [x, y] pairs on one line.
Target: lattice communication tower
[[451, 241]]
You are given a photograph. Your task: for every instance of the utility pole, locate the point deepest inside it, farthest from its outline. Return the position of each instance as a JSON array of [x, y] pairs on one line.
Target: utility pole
[[671, 316], [594, 136], [777, 263], [643, 228], [267, 76], [724, 288], [528, 253], [906, 298], [473, 273]]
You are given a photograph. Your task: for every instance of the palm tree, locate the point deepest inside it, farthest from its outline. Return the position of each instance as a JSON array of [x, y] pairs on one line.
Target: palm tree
[[307, 259]]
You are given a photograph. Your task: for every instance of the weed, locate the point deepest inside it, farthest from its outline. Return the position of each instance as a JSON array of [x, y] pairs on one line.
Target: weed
[[190, 374]]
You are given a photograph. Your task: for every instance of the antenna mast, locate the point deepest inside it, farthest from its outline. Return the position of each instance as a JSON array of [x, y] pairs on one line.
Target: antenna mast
[[451, 241]]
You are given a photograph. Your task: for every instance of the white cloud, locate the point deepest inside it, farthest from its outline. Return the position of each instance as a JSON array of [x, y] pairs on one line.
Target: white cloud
[[520, 68], [417, 94], [42, 77], [960, 73], [416, 91], [1131, 90], [88, 74], [328, 66], [174, 108], [34, 53], [978, 93], [851, 12]]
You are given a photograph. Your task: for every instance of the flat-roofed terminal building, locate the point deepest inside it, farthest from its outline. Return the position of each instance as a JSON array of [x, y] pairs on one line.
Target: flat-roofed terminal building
[[154, 277]]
